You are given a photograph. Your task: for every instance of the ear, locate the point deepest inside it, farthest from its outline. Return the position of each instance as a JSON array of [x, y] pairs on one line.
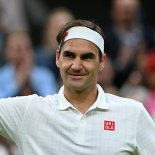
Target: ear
[[103, 60], [57, 57]]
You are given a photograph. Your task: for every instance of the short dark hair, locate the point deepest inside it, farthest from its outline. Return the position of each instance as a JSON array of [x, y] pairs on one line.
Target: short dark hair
[[79, 22]]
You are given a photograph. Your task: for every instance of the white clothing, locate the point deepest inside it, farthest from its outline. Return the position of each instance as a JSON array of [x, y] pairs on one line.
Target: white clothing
[[52, 126]]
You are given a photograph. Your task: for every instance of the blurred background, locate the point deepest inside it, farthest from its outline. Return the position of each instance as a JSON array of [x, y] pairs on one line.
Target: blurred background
[[27, 48]]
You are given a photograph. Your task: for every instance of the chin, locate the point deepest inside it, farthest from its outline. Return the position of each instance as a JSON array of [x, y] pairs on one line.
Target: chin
[[77, 87]]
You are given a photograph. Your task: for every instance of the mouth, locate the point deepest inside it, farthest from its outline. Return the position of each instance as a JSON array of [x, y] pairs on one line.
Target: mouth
[[76, 76]]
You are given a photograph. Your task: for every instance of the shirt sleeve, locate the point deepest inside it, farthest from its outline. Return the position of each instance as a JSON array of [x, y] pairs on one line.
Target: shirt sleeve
[[12, 112], [145, 136]]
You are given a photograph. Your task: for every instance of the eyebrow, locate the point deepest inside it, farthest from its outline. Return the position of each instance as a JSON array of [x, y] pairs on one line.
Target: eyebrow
[[84, 54]]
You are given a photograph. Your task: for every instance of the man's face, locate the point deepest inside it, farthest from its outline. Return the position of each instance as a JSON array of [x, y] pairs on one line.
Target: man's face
[[125, 10], [18, 49], [79, 64]]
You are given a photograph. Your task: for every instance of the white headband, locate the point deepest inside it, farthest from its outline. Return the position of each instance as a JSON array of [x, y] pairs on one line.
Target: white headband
[[82, 32]]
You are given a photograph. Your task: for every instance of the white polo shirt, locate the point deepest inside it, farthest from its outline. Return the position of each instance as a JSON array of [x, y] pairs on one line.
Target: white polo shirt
[[52, 126]]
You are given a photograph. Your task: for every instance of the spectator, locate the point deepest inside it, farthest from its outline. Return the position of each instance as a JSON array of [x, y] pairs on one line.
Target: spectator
[[12, 15], [46, 52], [149, 74], [20, 75], [106, 76], [12, 18], [126, 38], [134, 88]]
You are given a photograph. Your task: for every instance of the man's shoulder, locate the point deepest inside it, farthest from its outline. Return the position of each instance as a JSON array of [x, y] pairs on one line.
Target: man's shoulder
[[33, 99], [38, 102], [48, 98], [119, 101]]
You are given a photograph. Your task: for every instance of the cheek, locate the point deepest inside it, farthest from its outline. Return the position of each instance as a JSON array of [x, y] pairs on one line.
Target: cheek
[[93, 71], [64, 66], [92, 67]]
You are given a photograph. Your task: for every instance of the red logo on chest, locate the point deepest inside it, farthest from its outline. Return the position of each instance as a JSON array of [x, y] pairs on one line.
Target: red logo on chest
[[109, 125]]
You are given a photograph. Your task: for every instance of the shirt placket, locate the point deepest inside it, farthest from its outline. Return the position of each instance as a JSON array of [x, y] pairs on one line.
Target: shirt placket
[[81, 129]]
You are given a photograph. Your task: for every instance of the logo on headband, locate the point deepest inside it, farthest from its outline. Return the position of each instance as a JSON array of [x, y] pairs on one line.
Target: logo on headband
[[65, 34]]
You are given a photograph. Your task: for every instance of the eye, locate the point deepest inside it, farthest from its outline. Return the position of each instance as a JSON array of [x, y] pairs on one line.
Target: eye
[[68, 54], [87, 56]]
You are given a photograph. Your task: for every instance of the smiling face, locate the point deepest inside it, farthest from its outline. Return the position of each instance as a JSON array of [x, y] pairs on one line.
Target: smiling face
[[79, 64]]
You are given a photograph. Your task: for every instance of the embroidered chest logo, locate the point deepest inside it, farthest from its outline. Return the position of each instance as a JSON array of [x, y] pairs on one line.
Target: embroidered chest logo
[[109, 125]]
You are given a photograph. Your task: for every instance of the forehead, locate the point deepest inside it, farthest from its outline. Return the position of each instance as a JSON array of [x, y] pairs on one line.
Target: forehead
[[79, 45], [126, 3], [18, 39]]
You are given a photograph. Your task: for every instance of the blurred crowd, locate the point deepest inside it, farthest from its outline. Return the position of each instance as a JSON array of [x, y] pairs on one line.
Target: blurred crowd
[[27, 60]]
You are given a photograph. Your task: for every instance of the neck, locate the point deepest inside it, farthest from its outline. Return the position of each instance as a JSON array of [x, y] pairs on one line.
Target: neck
[[81, 100]]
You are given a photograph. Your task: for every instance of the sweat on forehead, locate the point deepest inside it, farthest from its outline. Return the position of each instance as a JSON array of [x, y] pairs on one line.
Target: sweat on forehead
[[81, 32]]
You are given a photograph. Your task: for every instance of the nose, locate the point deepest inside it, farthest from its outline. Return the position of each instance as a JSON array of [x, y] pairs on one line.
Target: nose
[[77, 64]]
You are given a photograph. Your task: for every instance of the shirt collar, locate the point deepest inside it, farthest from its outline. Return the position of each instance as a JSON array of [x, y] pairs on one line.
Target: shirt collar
[[62, 101], [100, 102]]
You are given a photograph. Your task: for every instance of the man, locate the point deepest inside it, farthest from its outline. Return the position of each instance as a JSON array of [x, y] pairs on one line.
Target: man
[[21, 75], [126, 38], [81, 119]]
